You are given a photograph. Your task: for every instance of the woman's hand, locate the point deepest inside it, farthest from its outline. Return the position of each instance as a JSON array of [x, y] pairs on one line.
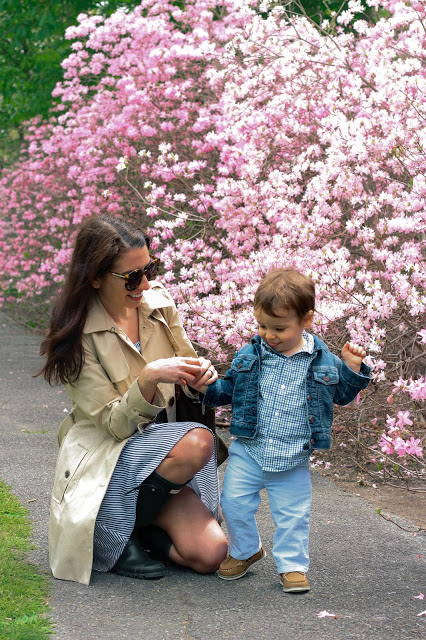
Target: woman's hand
[[207, 376], [175, 370]]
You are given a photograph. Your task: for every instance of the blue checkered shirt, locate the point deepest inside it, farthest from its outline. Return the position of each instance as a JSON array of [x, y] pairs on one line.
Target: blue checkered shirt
[[284, 436]]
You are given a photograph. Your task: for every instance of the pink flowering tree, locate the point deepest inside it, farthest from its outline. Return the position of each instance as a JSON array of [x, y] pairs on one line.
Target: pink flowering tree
[[244, 137]]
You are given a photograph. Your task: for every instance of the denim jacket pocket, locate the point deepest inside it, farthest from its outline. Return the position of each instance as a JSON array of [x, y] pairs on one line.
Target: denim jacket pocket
[[243, 364], [325, 379], [326, 375], [245, 371]]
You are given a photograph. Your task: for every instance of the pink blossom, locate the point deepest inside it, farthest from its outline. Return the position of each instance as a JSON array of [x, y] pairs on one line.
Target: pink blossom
[[400, 446], [386, 444], [414, 447], [403, 419], [391, 423]]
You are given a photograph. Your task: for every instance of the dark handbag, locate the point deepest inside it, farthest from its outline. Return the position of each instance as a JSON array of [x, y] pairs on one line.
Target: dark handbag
[[191, 410]]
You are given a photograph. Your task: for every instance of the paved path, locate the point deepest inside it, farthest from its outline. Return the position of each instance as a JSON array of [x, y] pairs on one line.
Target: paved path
[[363, 569]]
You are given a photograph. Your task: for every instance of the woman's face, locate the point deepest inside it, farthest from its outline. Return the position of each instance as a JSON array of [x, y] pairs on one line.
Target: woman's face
[[111, 290]]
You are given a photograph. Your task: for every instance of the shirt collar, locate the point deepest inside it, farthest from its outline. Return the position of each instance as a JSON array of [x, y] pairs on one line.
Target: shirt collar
[[308, 345]]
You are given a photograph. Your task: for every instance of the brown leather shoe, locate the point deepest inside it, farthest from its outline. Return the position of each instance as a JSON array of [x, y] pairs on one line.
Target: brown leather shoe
[[294, 582], [232, 569]]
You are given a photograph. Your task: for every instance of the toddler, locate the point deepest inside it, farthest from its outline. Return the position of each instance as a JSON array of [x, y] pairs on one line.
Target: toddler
[[282, 386]]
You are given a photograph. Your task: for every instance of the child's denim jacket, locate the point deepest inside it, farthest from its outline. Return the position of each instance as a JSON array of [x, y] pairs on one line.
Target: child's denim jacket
[[329, 380]]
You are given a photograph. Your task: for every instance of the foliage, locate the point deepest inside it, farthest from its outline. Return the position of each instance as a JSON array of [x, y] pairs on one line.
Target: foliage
[[245, 137], [32, 47], [23, 589]]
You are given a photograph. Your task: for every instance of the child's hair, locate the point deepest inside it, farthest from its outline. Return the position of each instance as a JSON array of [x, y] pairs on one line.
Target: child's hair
[[285, 289]]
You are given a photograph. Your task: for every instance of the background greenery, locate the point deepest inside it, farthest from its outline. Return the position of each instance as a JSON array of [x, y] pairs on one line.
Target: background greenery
[[32, 46]]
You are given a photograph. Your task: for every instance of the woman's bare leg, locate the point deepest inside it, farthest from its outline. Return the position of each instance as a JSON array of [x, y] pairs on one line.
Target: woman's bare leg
[[198, 541], [189, 455]]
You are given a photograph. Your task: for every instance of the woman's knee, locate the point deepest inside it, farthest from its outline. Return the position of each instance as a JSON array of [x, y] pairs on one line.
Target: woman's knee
[[208, 559], [200, 542], [197, 447]]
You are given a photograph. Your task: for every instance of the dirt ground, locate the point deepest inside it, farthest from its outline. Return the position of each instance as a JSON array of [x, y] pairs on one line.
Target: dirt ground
[[352, 471], [392, 501], [350, 467]]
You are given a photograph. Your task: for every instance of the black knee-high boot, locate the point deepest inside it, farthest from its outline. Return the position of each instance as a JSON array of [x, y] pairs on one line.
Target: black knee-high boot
[[154, 492], [135, 562], [156, 541]]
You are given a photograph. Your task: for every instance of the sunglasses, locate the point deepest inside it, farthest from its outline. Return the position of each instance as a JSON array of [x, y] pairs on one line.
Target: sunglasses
[[132, 279]]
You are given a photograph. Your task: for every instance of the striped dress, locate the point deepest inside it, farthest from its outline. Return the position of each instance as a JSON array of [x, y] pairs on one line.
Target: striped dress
[[140, 456]]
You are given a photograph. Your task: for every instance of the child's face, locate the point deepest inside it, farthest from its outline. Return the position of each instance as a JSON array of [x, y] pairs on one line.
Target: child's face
[[283, 332]]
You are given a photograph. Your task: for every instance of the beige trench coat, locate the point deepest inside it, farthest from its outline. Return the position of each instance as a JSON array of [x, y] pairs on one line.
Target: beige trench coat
[[107, 409]]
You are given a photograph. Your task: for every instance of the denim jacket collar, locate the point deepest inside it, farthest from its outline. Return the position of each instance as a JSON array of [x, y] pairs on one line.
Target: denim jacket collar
[[319, 345]]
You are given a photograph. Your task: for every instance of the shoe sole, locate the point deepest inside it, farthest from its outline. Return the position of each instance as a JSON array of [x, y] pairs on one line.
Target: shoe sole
[[140, 576], [296, 589], [240, 575]]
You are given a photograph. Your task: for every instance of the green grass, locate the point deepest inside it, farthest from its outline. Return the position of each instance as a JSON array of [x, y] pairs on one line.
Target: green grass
[[23, 588]]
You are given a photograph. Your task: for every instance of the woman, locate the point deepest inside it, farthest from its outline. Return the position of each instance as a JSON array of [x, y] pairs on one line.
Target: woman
[[126, 478]]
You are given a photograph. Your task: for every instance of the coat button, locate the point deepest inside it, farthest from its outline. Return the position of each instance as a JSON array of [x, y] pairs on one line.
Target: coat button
[[240, 365], [311, 419], [327, 379], [309, 398], [67, 474], [171, 402]]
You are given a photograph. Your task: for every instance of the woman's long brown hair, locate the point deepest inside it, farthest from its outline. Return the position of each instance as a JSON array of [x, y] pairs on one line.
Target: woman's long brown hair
[[99, 244]]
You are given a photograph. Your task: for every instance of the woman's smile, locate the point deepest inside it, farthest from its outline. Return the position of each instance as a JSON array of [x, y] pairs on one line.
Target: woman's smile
[[112, 291]]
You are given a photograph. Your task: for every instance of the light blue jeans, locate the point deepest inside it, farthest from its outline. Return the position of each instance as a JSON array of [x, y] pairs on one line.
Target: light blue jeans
[[290, 497]]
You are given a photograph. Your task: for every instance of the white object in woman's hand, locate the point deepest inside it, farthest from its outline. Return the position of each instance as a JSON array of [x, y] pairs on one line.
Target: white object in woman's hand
[[177, 370]]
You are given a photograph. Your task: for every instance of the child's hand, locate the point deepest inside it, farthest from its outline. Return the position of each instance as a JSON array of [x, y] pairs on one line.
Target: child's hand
[[353, 355], [208, 376]]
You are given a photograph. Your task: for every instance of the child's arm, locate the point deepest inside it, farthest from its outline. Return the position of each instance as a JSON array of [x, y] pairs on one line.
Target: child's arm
[[201, 387], [216, 392], [353, 355]]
